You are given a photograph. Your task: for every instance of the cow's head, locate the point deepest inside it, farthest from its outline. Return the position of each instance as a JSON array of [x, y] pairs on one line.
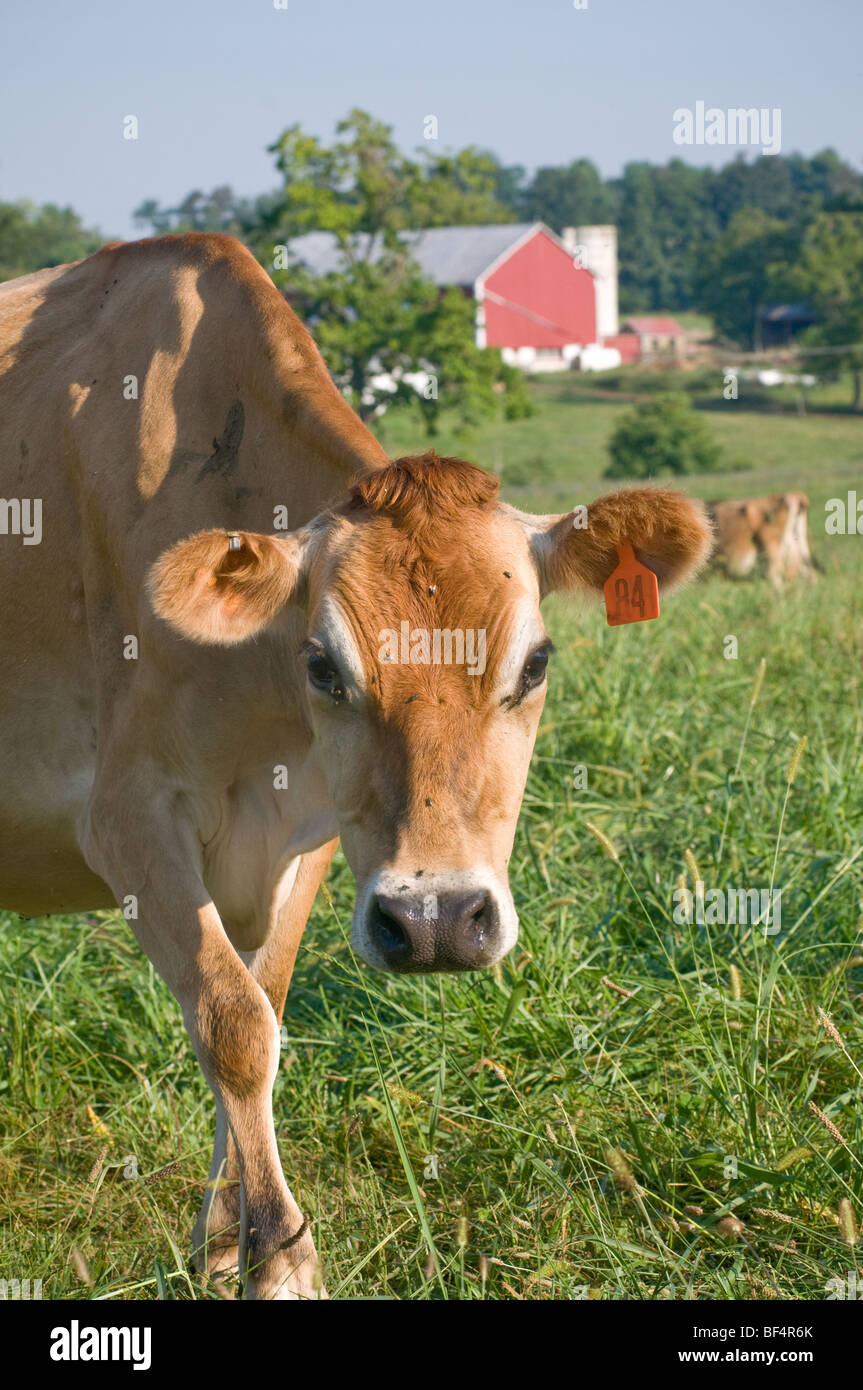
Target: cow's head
[[425, 674]]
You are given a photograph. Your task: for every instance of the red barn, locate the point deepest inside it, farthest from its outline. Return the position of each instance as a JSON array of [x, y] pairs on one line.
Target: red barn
[[535, 299]]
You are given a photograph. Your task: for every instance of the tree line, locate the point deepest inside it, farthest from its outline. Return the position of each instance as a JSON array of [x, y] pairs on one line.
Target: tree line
[[726, 241]]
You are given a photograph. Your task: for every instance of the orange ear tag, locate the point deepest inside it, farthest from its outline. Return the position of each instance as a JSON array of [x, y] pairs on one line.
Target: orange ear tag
[[631, 591]]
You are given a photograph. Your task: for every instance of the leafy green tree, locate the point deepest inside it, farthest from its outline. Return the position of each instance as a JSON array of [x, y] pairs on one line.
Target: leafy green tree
[[743, 270], [644, 271], [829, 274], [681, 222], [363, 183], [668, 216], [570, 196], [825, 178], [219, 211], [509, 188], [365, 318], [661, 436], [34, 237], [376, 319], [453, 190], [469, 379]]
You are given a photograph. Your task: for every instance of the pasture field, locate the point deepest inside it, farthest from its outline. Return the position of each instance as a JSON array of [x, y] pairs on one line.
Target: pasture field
[[543, 458], [584, 1120]]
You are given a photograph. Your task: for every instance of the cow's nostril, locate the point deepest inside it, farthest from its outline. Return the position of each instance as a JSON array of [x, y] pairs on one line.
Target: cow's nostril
[[474, 931], [389, 935]]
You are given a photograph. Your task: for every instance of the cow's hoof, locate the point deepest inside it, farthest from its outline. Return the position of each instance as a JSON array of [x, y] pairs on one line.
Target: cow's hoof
[[299, 1278], [226, 1285], [218, 1264]]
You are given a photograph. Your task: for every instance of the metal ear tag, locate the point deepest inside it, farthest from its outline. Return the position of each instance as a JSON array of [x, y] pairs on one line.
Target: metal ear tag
[[234, 542]]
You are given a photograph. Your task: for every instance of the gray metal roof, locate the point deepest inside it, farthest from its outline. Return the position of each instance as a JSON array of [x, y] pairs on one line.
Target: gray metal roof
[[446, 255], [798, 312]]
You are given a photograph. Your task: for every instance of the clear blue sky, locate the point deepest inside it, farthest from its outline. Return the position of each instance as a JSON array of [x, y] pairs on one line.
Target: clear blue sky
[[212, 82]]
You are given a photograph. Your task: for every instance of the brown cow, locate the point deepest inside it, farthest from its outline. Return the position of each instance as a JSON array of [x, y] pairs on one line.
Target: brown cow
[[194, 706], [767, 533]]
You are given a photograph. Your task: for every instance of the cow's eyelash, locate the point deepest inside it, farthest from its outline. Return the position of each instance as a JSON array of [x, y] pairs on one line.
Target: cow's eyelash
[[328, 680], [526, 682]]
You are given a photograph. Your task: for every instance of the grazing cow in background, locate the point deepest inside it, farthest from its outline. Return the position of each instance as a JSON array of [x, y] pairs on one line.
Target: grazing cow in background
[[768, 533], [194, 706]]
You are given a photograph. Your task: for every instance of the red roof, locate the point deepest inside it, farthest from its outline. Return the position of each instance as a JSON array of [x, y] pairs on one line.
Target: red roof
[[669, 328]]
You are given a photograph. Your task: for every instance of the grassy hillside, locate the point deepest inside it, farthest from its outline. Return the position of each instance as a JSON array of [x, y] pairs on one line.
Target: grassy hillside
[[558, 456], [600, 1105]]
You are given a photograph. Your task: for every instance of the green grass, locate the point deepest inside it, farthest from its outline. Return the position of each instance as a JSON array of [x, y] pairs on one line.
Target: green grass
[[584, 1100]]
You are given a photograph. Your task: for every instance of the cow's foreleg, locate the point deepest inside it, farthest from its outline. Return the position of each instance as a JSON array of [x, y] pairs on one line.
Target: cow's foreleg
[[233, 1028], [216, 1237], [215, 1240]]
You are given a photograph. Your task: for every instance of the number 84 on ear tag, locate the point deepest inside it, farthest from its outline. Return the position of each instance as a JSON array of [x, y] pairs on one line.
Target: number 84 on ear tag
[[631, 591]]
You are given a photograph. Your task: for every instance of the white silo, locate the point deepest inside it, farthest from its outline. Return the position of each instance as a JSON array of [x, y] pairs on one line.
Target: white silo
[[595, 248]]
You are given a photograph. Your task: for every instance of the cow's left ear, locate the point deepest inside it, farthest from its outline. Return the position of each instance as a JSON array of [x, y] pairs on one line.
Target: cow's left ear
[[223, 587], [669, 532]]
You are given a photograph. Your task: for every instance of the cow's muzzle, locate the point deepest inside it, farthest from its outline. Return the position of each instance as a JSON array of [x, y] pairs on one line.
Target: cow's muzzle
[[451, 930]]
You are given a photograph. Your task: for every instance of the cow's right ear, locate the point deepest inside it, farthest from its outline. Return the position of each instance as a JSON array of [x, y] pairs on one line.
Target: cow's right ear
[[223, 587]]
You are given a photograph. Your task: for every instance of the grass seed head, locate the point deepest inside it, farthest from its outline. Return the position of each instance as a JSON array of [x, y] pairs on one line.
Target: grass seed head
[[830, 1028], [731, 1227], [772, 1214], [82, 1269], [826, 1122], [758, 682], [796, 757], [603, 839], [621, 1171], [847, 1222]]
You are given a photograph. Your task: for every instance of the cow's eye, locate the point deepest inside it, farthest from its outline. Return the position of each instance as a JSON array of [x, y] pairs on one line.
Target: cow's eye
[[532, 675], [535, 668], [323, 675]]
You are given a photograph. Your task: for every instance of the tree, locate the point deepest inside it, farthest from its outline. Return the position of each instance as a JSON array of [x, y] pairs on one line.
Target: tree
[[365, 318], [680, 221], [829, 274], [219, 211], [470, 379], [452, 190], [376, 318], [574, 196], [743, 270], [34, 237], [668, 216], [662, 436], [644, 272]]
